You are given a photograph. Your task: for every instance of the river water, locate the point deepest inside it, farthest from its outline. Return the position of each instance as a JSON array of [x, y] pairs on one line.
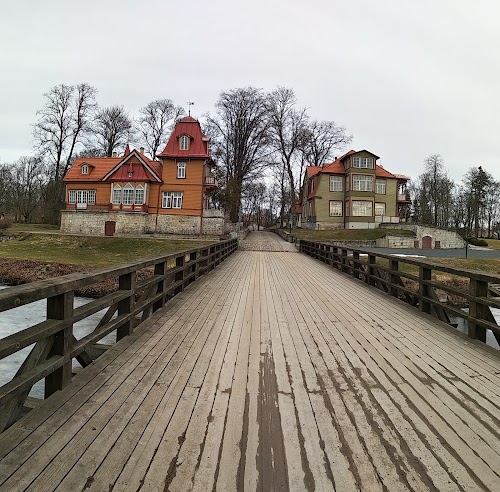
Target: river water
[[22, 317]]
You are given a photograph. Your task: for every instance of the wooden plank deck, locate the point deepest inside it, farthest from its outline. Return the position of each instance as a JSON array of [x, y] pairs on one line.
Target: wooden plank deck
[[273, 372]]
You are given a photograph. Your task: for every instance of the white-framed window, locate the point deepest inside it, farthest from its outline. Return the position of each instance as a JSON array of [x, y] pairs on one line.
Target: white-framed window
[[362, 208], [181, 170], [335, 208], [184, 143], [139, 195], [172, 199], [380, 185], [72, 196], [83, 196], [177, 199], [85, 169], [166, 201], [379, 208], [91, 197], [362, 182], [128, 195], [362, 162], [117, 195], [336, 183]]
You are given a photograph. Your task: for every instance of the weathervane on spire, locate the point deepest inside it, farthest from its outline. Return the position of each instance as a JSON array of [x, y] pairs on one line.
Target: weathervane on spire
[[190, 103]]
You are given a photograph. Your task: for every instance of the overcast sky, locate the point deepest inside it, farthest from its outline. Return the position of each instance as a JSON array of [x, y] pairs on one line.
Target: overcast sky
[[407, 78]]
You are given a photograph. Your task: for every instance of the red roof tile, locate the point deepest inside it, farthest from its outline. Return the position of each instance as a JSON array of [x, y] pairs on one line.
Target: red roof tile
[[198, 146], [312, 170], [101, 167], [381, 172]]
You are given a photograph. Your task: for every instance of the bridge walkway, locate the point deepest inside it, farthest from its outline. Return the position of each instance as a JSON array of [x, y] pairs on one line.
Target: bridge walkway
[[273, 372]]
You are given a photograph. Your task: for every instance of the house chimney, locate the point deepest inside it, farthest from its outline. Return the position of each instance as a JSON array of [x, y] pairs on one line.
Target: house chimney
[[114, 153], [141, 150]]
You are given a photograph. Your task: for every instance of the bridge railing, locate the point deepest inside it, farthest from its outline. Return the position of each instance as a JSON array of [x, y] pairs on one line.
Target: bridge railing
[[54, 345], [419, 283]]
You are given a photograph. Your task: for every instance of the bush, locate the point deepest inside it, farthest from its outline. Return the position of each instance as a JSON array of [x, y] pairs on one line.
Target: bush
[[476, 241], [5, 223]]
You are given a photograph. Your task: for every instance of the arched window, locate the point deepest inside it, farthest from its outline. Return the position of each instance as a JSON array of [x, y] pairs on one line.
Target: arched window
[[139, 195], [85, 169], [117, 195], [128, 195], [184, 144]]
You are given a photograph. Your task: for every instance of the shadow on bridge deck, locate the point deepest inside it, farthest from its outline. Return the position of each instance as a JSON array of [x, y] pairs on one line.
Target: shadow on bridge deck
[[271, 372]]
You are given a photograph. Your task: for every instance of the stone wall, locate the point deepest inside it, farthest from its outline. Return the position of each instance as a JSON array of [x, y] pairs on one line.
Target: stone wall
[[447, 239], [92, 222], [355, 243], [403, 242]]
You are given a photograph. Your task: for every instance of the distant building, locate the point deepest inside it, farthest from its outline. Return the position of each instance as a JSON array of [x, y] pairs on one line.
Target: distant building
[[134, 194], [353, 192]]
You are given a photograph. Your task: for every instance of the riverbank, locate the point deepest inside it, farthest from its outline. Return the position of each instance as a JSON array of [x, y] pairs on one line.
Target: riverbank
[[17, 272]]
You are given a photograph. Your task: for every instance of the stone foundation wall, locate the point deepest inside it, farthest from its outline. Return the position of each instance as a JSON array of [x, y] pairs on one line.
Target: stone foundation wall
[[447, 239], [92, 222], [402, 242]]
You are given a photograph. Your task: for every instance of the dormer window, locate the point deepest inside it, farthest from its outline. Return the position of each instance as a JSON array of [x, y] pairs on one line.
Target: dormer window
[[85, 169], [184, 142]]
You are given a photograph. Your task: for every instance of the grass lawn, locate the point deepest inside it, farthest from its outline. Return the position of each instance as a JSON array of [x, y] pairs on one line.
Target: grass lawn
[[347, 234], [493, 243], [90, 251], [32, 227]]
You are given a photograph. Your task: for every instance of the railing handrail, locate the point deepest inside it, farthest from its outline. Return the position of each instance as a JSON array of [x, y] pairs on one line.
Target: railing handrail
[[40, 289], [463, 272]]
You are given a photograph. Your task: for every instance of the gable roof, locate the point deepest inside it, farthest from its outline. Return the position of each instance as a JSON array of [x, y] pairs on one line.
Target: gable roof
[[312, 170], [120, 168], [198, 146], [104, 167]]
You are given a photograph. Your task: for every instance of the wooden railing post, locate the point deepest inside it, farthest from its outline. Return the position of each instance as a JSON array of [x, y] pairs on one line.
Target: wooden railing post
[[126, 281], [424, 305], [394, 277], [160, 269], [345, 266], [355, 264], [372, 260], [179, 276], [60, 307], [477, 310]]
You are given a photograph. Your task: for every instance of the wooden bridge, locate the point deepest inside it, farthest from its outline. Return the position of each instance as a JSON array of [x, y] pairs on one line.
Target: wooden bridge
[[271, 372]]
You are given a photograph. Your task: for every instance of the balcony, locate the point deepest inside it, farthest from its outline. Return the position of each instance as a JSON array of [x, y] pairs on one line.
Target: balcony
[[404, 197], [211, 181]]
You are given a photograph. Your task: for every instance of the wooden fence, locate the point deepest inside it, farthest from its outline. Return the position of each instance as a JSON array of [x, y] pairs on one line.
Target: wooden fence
[[425, 290], [55, 345]]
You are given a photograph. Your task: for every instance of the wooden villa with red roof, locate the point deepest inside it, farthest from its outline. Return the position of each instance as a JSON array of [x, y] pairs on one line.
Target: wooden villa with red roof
[[133, 194], [353, 192]]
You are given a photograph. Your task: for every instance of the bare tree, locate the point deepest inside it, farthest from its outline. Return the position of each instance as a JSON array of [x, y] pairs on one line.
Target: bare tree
[[323, 139], [62, 124], [29, 176], [112, 128], [240, 136], [156, 120], [6, 180], [289, 134], [492, 204], [477, 181]]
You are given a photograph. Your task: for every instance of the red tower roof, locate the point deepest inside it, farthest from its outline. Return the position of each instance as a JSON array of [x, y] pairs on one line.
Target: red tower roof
[[198, 143]]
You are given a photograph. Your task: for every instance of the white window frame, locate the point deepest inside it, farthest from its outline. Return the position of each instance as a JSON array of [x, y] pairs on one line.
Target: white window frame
[[357, 208], [128, 194], [72, 196], [335, 203], [138, 191], [116, 195], [85, 169], [381, 207], [166, 200], [177, 199], [362, 182], [181, 170], [91, 197], [380, 186], [336, 183], [184, 142], [362, 162]]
